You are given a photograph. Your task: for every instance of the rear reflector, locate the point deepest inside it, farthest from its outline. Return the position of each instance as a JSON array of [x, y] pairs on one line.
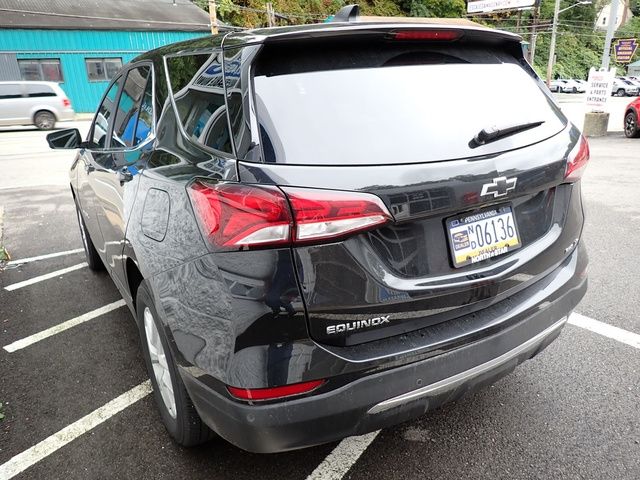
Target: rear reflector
[[234, 216], [577, 160], [66, 102], [443, 35], [275, 392]]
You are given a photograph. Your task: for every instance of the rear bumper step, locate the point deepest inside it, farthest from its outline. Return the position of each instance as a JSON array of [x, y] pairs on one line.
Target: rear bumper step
[[468, 375]]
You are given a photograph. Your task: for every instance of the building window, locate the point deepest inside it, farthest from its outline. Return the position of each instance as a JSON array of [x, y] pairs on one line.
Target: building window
[[102, 69], [47, 69]]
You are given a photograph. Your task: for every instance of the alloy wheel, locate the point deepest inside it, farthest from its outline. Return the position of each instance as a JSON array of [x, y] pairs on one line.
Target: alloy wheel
[[159, 363], [630, 125]]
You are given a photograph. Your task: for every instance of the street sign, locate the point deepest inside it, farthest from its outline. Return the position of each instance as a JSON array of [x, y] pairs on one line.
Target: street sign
[[599, 89], [624, 48], [484, 6]]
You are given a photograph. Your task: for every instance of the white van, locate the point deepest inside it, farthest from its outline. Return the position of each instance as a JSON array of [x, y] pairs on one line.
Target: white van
[[33, 103]]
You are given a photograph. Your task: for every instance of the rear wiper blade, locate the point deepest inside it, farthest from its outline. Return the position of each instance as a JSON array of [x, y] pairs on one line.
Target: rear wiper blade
[[494, 133]]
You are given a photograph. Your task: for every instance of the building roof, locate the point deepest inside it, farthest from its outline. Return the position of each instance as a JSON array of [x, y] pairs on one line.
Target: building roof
[[141, 15]]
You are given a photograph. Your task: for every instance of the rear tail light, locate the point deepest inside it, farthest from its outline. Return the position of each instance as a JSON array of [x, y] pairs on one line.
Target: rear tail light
[[327, 214], [442, 35], [274, 392], [577, 160], [235, 216], [66, 102]]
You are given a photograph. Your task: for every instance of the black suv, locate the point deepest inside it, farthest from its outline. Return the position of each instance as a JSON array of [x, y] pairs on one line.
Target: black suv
[[327, 229]]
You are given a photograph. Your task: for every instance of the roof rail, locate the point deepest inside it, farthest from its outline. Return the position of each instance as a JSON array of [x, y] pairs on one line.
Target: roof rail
[[347, 14]]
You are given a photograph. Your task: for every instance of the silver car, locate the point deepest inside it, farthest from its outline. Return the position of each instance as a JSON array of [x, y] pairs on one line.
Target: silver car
[[33, 103]]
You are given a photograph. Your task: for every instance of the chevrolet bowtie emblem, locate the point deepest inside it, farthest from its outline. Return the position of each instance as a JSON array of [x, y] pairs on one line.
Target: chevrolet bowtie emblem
[[499, 187]]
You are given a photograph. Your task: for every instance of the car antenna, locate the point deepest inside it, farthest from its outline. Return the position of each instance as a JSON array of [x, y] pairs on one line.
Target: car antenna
[[347, 14]]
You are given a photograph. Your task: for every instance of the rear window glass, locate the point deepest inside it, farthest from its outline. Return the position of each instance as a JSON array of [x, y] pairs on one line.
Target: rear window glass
[[384, 104]]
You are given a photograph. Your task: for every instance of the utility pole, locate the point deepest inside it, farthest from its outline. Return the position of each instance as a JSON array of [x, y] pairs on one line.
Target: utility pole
[[213, 18], [270, 15], [611, 28], [552, 47], [534, 35]]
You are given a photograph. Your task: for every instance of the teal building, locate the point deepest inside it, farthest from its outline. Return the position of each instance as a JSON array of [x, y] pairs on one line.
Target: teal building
[[81, 44]]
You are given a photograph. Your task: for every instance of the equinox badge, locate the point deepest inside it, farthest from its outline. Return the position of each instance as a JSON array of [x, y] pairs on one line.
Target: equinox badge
[[357, 325], [499, 187]]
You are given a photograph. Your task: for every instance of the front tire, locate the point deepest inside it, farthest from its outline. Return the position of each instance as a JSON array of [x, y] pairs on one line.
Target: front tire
[[621, 92], [178, 413], [93, 258], [44, 120], [631, 129]]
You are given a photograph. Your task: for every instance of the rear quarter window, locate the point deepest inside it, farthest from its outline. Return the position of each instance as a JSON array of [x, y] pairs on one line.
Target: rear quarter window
[[35, 90], [198, 91]]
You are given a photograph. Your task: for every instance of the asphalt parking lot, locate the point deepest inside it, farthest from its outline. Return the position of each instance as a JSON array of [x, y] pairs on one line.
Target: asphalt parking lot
[[76, 403]]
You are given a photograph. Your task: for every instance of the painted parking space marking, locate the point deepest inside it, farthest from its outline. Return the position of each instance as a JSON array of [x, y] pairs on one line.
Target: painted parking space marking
[[44, 257], [47, 276], [606, 330], [343, 457], [36, 337], [46, 447], [349, 450]]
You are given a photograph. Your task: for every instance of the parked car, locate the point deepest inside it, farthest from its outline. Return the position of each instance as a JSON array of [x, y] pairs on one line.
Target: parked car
[[581, 85], [632, 81], [33, 103], [631, 118], [565, 86], [622, 88], [307, 254]]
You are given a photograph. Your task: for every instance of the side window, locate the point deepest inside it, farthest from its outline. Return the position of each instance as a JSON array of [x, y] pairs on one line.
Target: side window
[[9, 91], [198, 90], [104, 118], [35, 90], [128, 106], [144, 125]]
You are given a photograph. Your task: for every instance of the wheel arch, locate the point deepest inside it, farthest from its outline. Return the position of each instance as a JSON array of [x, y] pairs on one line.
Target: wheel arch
[[42, 108]]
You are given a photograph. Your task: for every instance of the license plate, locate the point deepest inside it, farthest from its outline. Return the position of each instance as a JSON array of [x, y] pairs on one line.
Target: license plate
[[482, 235]]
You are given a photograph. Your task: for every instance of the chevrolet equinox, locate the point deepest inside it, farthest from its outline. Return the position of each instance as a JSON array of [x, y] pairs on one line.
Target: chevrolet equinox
[[322, 231]]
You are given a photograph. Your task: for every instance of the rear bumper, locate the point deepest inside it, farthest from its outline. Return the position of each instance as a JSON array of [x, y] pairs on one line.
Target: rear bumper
[[397, 394]]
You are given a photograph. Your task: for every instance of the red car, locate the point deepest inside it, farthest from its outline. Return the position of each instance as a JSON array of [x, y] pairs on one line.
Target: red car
[[631, 117]]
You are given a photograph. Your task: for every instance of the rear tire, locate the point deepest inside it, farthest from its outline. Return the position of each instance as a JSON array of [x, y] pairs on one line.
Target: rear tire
[[631, 129], [93, 258], [44, 120], [178, 413], [621, 92]]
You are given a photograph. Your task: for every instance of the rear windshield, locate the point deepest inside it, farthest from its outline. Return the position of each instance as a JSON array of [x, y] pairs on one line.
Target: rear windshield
[[384, 104]]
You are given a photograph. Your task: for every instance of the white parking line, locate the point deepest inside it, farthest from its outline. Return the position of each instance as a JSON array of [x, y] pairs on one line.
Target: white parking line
[[36, 337], [44, 257], [33, 455], [343, 457], [606, 330], [31, 281], [349, 450]]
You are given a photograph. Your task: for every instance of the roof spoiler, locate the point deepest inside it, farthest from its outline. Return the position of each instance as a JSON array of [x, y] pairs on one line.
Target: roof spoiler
[[347, 14]]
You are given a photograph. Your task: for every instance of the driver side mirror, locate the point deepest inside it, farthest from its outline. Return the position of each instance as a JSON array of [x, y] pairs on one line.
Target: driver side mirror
[[65, 139]]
